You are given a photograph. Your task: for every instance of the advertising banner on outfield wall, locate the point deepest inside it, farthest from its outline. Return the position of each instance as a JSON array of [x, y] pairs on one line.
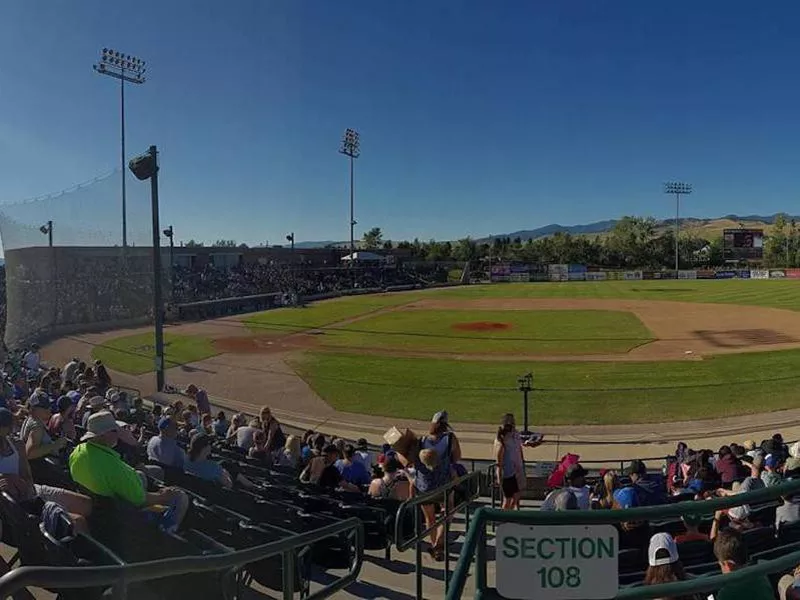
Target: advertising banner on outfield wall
[[596, 276], [614, 275], [706, 274], [793, 273], [687, 274], [539, 276], [632, 275], [759, 274], [743, 274], [725, 275], [520, 277], [777, 274]]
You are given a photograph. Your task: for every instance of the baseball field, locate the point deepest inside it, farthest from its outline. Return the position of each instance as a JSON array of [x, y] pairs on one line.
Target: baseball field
[[600, 352]]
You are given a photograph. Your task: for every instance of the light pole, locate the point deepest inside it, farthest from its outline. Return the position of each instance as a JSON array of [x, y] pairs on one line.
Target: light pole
[[170, 234], [145, 166], [48, 231], [351, 146], [125, 68], [677, 188], [525, 386]]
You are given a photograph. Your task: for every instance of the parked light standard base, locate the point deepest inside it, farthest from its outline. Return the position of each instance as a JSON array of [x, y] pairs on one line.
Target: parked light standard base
[[525, 386]]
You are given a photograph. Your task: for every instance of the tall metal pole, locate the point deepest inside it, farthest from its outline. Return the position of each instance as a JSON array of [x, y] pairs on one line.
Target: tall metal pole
[[50, 234], [124, 170], [158, 316], [677, 228], [352, 213]]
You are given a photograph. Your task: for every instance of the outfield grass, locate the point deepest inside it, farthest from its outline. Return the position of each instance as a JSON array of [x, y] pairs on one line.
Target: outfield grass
[[134, 354], [774, 293], [530, 332], [566, 392], [319, 314]]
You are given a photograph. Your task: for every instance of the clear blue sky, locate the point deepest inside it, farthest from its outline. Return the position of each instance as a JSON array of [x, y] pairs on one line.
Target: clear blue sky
[[476, 117]]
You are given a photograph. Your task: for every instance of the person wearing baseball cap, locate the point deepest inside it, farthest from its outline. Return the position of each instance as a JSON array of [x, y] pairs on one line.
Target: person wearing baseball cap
[[163, 448], [649, 490], [663, 563], [575, 480], [33, 433], [93, 405], [770, 475], [99, 468]]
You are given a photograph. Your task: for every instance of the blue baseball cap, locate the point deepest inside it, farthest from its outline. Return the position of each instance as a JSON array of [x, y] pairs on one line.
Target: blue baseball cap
[[165, 422], [771, 461], [625, 497]]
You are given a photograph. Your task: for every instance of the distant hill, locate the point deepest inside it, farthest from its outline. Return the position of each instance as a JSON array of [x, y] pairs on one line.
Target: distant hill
[[704, 228]]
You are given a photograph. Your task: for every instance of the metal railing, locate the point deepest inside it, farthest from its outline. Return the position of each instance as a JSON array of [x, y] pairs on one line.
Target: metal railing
[[475, 543], [442, 495], [119, 577]]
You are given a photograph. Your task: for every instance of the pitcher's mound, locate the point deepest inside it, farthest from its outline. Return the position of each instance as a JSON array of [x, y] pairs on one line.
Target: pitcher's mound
[[482, 326]]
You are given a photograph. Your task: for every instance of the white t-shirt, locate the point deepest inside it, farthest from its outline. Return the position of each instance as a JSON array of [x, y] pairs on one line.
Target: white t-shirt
[[581, 495]]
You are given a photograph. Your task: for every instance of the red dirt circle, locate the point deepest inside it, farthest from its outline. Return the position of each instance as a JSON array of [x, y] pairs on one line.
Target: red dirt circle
[[482, 326]]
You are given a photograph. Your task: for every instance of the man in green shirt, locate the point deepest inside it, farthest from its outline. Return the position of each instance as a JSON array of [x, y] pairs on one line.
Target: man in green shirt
[[96, 466], [731, 553]]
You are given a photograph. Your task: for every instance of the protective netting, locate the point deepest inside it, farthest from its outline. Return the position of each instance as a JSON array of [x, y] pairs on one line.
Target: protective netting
[[86, 280]]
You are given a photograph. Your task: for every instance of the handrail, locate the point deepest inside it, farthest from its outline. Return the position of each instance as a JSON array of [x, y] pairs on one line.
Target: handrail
[[475, 541], [121, 576], [427, 498]]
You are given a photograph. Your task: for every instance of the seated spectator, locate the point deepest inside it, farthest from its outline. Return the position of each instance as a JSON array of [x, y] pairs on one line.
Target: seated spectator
[[731, 554], [259, 448], [163, 448], [352, 470], [221, 424], [575, 480], [610, 485], [290, 456], [789, 510], [562, 499], [663, 563], [738, 519], [770, 475], [93, 405], [633, 534], [186, 429], [61, 423], [649, 491], [206, 425], [692, 525], [728, 467], [97, 467], [363, 455], [238, 421], [17, 480], [33, 433], [194, 417], [199, 397], [139, 416], [275, 436], [244, 436], [392, 484], [69, 370], [789, 586], [322, 471], [200, 465]]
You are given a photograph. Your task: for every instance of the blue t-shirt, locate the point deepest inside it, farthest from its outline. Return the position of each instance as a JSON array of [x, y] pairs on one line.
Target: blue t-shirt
[[355, 473], [204, 469]]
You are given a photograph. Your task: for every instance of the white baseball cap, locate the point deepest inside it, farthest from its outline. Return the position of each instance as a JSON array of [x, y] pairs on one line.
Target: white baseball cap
[[662, 541]]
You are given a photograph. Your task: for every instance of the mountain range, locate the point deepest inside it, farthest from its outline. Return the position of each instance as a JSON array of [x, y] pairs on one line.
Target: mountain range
[[700, 227]]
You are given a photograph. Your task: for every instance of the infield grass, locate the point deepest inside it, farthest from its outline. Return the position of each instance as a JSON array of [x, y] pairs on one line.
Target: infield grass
[[134, 354], [565, 392], [529, 332]]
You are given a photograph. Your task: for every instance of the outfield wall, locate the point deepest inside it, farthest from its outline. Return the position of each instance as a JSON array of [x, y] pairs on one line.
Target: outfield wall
[[563, 272]]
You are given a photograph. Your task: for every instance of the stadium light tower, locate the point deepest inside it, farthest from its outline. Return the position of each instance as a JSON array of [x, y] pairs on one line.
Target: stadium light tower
[[677, 188], [351, 146], [125, 68], [48, 231]]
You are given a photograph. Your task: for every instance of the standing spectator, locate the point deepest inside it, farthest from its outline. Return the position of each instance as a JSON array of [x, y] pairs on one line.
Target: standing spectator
[[510, 462], [770, 475], [221, 424], [731, 554], [33, 433], [61, 424], [163, 448], [200, 397]]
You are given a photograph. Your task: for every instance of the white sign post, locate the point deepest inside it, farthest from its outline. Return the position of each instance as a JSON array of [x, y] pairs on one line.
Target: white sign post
[[557, 562]]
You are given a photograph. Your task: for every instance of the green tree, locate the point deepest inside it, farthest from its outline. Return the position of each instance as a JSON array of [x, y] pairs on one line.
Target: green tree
[[465, 250], [225, 244], [193, 244], [373, 239]]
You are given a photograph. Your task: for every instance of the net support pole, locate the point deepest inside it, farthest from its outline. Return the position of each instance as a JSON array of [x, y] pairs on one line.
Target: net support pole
[[158, 316]]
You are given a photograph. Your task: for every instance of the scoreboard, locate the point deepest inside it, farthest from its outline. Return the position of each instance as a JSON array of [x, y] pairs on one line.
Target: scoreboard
[[742, 244]]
